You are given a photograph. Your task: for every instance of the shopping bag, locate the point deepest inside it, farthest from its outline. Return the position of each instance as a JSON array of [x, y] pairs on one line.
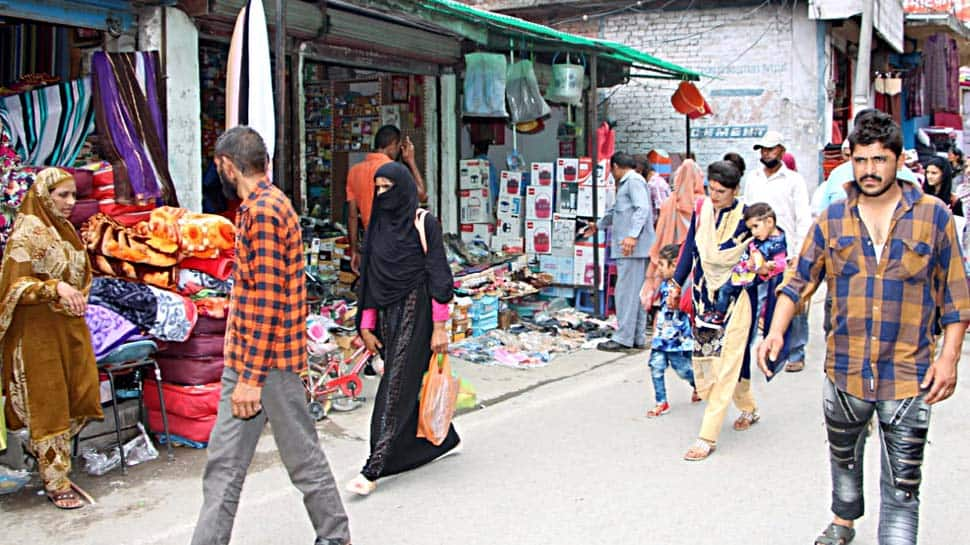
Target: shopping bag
[[484, 94], [439, 393], [522, 91], [467, 397]]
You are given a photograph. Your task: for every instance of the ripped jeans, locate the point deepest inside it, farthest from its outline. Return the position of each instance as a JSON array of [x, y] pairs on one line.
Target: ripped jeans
[[903, 425]]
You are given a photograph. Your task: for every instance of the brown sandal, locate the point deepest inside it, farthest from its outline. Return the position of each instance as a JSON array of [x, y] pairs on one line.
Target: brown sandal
[[746, 420], [65, 499]]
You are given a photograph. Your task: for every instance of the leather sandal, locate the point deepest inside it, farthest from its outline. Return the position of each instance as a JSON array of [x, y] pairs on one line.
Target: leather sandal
[[795, 366], [836, 534], [65, 499], [700, 450], [746, 420]]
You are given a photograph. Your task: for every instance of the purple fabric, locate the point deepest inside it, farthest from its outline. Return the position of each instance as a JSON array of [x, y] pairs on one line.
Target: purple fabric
[[108, 329], [151, 87], [121, 130]]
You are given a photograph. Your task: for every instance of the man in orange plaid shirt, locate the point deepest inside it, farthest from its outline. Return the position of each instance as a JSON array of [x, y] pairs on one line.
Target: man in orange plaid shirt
[[265, 351]]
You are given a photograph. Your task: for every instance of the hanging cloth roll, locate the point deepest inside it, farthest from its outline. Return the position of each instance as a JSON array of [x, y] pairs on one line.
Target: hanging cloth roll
[[129, 112], [48, 126]]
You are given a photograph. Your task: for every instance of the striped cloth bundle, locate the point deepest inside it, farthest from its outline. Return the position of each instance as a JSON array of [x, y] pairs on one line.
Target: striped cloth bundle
[[48, 126]]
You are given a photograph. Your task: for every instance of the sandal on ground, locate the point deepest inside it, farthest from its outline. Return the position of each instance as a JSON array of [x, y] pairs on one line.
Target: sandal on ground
[[836, 534], [65, 499], [361, 486], [746, 420], [695, 397], [795, 366], [700, 450], [660, 410]]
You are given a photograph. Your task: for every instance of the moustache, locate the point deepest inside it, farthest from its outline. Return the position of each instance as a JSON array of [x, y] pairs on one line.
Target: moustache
[[870, 177]]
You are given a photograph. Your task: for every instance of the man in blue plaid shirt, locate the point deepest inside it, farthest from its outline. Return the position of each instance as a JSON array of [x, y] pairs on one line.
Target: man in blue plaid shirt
[[891, 259]]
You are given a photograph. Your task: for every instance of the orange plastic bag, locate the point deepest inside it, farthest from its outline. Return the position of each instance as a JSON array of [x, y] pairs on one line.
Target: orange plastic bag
[[439, 393]]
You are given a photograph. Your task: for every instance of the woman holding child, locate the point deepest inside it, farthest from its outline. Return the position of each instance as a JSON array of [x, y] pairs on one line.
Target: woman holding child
[[716, 242]]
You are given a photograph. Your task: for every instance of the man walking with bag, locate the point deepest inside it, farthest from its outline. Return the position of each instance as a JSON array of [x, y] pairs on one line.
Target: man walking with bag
[[265, 352], [890, 256]]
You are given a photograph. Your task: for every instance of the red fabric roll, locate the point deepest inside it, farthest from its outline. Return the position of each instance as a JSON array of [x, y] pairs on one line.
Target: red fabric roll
[[188, 401], [197, 346], [193, 429], [190, 371], [210, 326], [219, 267]]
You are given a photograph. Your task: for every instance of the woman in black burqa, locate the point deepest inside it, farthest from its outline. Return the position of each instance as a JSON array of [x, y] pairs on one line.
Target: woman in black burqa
[[403, 296]]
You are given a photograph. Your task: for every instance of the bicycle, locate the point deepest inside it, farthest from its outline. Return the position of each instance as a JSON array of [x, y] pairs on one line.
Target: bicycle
[[333, 382]]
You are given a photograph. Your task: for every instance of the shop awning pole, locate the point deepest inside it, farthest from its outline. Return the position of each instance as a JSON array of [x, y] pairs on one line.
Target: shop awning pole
[[280, 87], [591, 113], [687, 119]]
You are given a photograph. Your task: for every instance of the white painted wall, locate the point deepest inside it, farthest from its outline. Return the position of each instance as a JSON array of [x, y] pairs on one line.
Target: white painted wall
[[765, 63], [183, 109], [449, 154]]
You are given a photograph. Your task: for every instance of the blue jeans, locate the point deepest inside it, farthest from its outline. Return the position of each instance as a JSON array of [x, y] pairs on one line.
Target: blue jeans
[[659, 360], [799, 336], [903, 426]]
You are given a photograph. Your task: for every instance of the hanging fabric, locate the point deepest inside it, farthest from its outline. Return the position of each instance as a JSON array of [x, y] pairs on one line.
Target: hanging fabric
[[48, 126], [130, 120], [249, 78]]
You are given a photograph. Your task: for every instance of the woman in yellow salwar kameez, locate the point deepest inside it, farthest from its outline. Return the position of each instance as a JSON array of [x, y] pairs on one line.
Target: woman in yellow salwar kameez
[[48, 370]]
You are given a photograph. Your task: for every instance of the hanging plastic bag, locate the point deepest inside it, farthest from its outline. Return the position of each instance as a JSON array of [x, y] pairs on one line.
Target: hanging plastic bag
[[522, 90], [567, 82], [467, 397], [439, 394], [485, 85]]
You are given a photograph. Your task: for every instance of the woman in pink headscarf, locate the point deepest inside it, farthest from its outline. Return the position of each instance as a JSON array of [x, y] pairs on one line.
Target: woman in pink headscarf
[[673, 221]]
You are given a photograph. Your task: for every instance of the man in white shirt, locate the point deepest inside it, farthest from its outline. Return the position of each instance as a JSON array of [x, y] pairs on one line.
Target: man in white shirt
[[787, 194]]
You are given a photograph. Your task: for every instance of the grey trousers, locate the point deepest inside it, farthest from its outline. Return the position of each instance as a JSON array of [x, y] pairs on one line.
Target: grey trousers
[[231, 449], [903, 427], [630, 316]]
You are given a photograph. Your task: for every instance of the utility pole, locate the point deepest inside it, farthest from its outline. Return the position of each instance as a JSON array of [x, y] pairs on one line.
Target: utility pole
[[860, 86]]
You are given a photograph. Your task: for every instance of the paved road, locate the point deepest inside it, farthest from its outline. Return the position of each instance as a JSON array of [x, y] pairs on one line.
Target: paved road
[[573, 462]]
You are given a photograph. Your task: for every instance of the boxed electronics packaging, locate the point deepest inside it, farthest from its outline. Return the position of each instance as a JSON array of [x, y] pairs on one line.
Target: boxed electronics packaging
[[479, 231], [509, 227], [585, 171], [538, 203], [542, 174], [538, 237], [567, 198], [472, 174], [475, 205], [563, 235], [559, 266], [508, 245], [605, 192], [583, 266], [510, 183], [510, 207], [567, 169]]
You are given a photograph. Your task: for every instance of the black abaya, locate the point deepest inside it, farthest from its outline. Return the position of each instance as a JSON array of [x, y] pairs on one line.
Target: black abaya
[[404, 328]]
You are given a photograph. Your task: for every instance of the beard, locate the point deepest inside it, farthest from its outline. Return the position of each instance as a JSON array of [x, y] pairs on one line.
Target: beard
[[229, 187]]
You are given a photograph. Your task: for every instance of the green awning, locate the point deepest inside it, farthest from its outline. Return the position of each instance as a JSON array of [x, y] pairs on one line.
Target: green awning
[[498, 31]]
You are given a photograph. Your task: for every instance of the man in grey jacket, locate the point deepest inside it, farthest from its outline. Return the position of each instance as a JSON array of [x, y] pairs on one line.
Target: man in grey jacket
[[631, 218]]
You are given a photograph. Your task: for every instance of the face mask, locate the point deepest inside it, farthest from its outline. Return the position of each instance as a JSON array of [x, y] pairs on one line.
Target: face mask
[[771, 163]]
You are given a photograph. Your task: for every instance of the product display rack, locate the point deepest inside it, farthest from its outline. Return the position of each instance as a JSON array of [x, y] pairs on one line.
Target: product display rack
[[356, 116], [318, 112]]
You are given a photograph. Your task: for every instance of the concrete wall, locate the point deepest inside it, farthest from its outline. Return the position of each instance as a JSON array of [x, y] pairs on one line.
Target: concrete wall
[[180, 39], [765, 60]]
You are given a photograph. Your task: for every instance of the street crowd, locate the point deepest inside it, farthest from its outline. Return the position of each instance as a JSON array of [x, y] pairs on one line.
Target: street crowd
[[721, 262]]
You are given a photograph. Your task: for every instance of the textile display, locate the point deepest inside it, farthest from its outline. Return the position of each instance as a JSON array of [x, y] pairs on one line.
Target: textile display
[[103, 189], [174, 318], [190, 371], [48, 126], [105, 236], [219, 267], [14, 184], [109, 330], [212, 307], [192, 234], [941, 66], [135, 302], [128, 108], [249, 81], [161, 277], [191, 282]]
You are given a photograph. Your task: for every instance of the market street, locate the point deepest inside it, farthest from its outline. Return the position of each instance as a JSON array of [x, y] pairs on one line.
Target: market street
[[569, 462]]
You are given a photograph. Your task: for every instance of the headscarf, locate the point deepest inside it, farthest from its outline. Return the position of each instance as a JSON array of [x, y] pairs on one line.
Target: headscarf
[[789, 161], [945, 188], [673, 221], [43, 246], [393, 261]]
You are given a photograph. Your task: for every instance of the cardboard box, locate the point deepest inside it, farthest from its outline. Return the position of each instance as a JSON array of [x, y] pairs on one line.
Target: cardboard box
[[584, 201], [479, 231], [508, 245], [583, 269], [567, 169], [563, 235], [473, 174], [475, 205], [539, 203], [585, 172], [542, 174], [510, 207], [567, 198], [510, 183], [538, 237], [560, 267], [509, 228]]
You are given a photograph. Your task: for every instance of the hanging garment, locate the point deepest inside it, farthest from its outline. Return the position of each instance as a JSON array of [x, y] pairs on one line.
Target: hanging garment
[[129, 112], [48, 126]]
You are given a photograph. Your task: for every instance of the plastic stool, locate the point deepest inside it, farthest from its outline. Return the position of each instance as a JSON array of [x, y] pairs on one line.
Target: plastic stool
[[584, 300]]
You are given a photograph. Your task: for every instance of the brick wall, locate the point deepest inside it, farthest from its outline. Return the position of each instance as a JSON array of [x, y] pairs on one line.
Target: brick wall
[[765, 60]]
